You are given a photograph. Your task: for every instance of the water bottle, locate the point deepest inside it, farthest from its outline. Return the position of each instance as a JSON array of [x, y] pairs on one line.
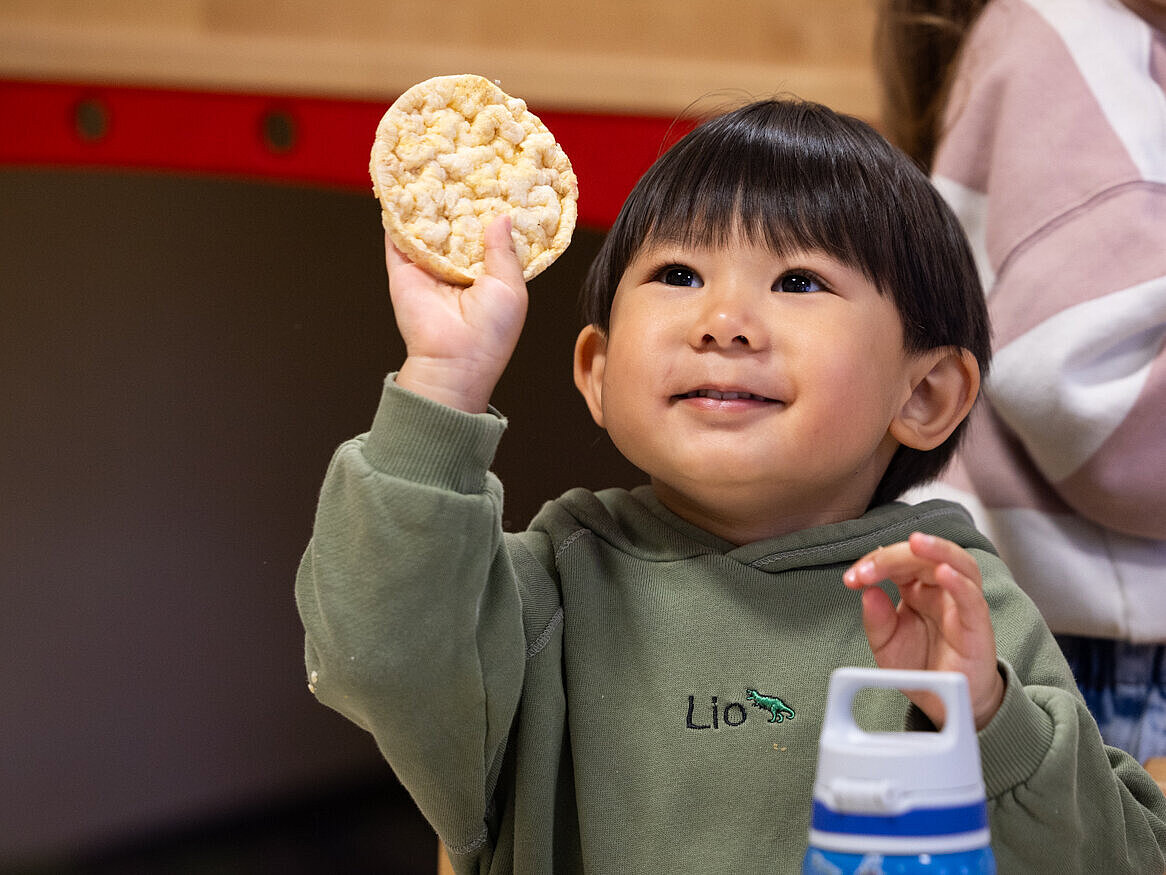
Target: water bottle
[[898, 803]]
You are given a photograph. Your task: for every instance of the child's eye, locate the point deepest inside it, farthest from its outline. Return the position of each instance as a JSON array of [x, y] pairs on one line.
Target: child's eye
[[678, 275], [799, 281]]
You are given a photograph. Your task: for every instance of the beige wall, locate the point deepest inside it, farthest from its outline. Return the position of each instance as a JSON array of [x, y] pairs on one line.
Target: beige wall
[[620, 55]]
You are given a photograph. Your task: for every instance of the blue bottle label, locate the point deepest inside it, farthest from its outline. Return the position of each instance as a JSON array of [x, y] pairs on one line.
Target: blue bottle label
[[822, 862]]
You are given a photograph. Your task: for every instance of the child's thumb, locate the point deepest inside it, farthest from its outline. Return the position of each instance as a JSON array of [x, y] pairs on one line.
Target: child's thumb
[[501, 259]]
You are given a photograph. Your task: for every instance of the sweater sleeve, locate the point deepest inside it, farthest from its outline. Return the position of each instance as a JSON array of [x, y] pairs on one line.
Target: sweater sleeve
[[1059, 799], [1079, 375], [411, 607]]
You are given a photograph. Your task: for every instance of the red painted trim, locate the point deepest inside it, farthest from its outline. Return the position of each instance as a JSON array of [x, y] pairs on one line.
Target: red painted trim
[[224, 133]]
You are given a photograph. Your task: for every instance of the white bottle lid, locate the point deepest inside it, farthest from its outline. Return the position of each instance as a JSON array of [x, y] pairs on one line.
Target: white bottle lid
[[887, 788]]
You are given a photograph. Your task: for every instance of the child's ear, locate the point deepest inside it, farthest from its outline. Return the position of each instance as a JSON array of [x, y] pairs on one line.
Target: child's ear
[[944, 385], [590, 360]]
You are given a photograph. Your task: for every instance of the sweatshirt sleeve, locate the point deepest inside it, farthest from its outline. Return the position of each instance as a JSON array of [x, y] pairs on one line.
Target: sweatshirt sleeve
[[1079, 375], [411, 607], [1059, 799]]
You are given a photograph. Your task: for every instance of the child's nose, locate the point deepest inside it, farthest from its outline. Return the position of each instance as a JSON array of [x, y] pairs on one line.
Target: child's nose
[[710, 339], [727, 320]]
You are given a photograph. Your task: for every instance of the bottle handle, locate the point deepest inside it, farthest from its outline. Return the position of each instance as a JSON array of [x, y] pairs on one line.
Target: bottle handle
[[950, 686]]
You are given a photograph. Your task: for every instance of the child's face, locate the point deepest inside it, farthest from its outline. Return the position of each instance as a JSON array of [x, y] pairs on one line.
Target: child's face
[[758, 392]]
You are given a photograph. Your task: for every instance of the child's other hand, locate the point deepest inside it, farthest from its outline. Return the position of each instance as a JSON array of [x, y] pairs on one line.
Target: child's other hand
[[942, 622], [458, 340]]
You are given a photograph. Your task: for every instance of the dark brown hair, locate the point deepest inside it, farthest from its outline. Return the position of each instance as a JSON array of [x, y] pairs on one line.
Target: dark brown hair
[[796, 176], [917, 45]]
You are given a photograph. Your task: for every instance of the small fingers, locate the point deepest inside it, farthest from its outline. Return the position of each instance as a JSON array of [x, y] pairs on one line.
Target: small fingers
[[956, 572], [403, 272], [942, 551], [394, 257], [917, 560], [879, 619], [895, 562]]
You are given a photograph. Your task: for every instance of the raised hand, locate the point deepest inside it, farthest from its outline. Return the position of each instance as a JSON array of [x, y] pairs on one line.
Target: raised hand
[[458, 340], [942, 622]]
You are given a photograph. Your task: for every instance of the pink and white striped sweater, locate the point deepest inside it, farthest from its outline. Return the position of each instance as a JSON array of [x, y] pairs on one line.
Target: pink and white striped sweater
[[1055, 160]]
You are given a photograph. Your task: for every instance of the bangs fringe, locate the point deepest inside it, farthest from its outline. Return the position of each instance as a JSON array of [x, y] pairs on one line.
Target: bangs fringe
[[771, 189]]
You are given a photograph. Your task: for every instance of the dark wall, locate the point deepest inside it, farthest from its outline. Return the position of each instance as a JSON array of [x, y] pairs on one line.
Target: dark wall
[[178, 359]]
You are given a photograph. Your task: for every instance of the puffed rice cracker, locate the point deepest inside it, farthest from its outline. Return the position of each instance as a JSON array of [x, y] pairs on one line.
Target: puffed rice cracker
[[452, 153]]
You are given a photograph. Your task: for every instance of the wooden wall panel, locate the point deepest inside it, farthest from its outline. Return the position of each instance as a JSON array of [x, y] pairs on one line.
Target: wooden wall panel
[[614, 55]]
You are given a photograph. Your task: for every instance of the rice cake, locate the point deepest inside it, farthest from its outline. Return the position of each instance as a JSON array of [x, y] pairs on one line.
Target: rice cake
[[452, 153]]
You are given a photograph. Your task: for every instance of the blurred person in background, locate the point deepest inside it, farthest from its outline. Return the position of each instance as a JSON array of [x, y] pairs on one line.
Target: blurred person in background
[[1043, 123]]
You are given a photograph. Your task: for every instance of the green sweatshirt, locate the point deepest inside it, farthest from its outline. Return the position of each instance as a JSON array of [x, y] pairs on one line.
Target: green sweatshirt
[[615, 690]]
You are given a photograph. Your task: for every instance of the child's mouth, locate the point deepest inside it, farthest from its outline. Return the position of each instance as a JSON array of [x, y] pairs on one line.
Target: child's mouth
[[723, 396]]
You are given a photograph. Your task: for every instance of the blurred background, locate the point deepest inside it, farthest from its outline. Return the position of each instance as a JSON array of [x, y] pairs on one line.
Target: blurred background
[[194, 315]]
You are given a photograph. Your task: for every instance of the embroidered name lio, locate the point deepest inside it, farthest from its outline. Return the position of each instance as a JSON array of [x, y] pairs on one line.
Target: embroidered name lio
[[733, 714]]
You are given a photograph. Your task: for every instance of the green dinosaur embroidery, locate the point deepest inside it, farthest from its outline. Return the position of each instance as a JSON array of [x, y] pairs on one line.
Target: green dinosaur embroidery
[[775, 706]]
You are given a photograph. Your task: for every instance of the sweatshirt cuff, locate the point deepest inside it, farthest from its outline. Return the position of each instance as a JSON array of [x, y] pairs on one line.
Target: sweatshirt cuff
[[1016, 741], [422, 441]]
